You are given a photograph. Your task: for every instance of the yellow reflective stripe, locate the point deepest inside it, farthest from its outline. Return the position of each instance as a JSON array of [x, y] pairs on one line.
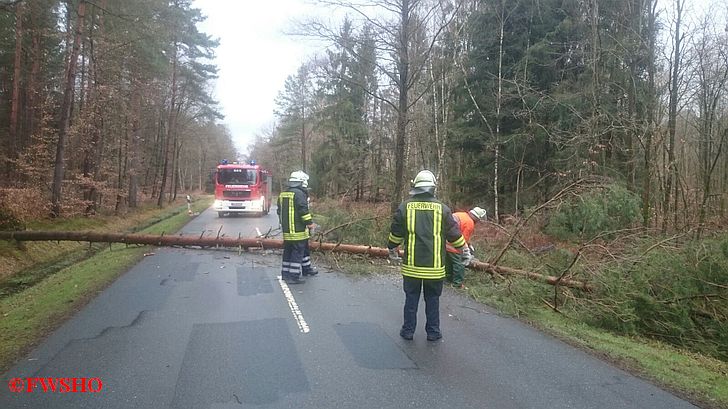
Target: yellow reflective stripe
[[459, 242], [296, 236], [395, 239], [291, 215], [423, 269], [437, 229], [306, 217], [424, 273], [288, 198], [411, 212]]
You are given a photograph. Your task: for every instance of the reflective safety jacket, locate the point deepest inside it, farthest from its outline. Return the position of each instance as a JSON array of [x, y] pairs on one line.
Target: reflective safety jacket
[[422, 225], [293, 213], [467, 227]]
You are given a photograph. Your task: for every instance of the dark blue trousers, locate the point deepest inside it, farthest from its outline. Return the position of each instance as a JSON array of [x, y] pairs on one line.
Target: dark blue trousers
[[296, 258], [432, 290]]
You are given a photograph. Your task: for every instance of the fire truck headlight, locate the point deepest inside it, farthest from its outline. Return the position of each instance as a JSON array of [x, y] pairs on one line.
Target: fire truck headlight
[[217, 204]]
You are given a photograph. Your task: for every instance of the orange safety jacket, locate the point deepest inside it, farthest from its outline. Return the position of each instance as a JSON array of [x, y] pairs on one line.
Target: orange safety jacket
[[467, 227]]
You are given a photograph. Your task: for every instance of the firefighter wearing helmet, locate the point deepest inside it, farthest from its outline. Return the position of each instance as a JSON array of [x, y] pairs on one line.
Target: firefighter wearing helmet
[[421, 225], [458, 259], [296, 225]]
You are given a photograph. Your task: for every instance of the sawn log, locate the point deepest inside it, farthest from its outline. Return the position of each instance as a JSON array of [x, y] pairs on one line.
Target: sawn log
[[245, 243]]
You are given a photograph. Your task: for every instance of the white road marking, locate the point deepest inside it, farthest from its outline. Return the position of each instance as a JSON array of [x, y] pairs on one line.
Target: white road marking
[[294, 307]]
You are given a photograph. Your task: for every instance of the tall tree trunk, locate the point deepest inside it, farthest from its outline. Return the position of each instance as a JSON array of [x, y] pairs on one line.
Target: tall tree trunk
[[672, 115], [65, 119], [303, 129], [32, 90], [122, 160], [651, 106], [15, 98], [136, 112], [170, 127], [499, 99], [93, 152], [403, 104]]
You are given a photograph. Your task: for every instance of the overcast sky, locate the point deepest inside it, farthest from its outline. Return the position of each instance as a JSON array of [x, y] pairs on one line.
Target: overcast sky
[[254, 58]]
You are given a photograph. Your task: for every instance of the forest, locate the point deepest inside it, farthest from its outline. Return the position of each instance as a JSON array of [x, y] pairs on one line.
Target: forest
[[510, 101], [107, 103]]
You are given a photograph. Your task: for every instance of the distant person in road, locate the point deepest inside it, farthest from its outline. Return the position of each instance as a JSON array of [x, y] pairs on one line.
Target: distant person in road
[[421, 225], [456, 260], [296, 225]]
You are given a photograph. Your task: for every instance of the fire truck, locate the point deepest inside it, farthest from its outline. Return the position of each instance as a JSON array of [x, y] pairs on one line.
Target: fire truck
[[242, 188]]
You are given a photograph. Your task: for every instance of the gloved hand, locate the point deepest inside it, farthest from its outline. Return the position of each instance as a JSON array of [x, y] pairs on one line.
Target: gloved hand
[[394, 255], [467, 256], [312, 228]]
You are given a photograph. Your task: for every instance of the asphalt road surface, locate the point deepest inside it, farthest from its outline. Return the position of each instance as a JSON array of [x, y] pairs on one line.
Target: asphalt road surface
[[190, 328]]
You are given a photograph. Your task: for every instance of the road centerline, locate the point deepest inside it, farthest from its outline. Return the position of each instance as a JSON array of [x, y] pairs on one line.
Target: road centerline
[[297, 314]]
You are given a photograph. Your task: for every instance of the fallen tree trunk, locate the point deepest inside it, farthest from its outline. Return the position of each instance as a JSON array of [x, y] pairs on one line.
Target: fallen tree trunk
[[245, 243]]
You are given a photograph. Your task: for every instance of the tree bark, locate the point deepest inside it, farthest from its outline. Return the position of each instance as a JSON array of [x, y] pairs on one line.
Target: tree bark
[[136, 112], [672, 115], [65, 118], [15, 98], [170, 127], [403, 104], [257, 243], [651, 106]]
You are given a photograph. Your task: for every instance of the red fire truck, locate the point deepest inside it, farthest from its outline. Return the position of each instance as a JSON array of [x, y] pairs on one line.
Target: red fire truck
[[242, 188]]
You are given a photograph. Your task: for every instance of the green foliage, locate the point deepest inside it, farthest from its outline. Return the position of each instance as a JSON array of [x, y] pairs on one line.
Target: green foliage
[[679, 297], [724, 248], [352, 223], [608, 209]]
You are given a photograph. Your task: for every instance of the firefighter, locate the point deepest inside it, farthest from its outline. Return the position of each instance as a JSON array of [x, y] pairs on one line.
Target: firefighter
[[422, 225], [296, 225], [456, 261]]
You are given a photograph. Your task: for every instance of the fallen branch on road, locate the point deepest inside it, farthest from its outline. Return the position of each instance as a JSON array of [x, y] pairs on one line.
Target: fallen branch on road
[[232, 242]]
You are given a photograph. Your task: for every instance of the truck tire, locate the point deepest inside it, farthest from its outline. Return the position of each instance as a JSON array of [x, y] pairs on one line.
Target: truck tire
[[220, 214]]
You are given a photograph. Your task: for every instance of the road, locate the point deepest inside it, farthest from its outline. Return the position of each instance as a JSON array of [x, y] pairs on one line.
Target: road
[[189, 328]]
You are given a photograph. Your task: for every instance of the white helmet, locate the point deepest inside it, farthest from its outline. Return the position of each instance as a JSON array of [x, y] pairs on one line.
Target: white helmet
[[477, 213], [299, 176], [424, 179]]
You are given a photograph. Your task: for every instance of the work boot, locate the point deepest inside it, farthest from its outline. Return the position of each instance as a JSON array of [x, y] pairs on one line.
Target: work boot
[[406, 335], [312, 272], [293, 280], [434, 337]]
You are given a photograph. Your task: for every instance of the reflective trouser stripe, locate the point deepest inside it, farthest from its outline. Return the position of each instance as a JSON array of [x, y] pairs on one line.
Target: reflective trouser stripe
[[288, 268]]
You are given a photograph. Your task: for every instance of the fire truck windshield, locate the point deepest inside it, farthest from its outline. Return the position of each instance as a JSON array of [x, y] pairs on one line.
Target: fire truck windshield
[[236, 177]]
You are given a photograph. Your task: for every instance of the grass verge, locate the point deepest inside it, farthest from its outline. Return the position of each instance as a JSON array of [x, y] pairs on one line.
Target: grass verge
[[698, 378], [27, 316]]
